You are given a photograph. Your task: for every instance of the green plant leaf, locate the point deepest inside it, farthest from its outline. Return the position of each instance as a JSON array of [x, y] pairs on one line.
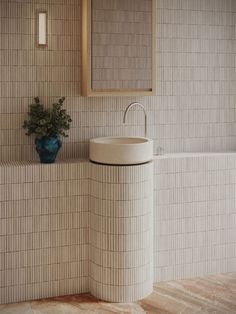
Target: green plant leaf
[[51, 122]]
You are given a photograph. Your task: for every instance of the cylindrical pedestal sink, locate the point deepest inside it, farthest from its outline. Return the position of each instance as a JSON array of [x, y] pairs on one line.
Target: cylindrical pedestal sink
[[121, 232]]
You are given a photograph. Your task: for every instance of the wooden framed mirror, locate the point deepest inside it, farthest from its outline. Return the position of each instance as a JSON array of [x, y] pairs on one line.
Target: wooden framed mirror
[[118, 47]]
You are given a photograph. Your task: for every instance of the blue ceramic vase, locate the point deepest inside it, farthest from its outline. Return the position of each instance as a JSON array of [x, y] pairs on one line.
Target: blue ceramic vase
[[47, 148]]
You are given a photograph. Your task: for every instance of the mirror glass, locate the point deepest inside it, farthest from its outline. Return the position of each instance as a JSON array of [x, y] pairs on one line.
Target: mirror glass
[[120, 47], [121, 44]]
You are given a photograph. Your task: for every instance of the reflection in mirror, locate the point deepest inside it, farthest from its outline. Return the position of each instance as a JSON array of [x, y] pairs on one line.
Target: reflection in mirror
[[120, 46]]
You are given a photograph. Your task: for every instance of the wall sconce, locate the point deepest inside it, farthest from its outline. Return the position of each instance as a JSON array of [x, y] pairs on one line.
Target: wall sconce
[[41, 29]]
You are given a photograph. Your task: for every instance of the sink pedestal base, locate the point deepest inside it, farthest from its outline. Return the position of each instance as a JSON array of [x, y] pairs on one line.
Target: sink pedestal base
[[121, 232]]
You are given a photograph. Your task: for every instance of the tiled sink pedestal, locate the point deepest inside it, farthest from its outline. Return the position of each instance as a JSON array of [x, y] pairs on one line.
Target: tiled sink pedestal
[[121, 232]]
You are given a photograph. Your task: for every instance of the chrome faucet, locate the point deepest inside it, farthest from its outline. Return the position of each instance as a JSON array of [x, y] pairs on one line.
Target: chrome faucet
[[145, 114]]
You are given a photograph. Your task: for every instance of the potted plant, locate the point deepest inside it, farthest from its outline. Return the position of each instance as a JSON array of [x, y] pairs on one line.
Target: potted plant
[[47, 125]]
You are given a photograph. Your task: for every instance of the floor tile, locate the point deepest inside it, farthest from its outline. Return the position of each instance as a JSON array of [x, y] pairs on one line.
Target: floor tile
[[214, 294], [17, 308]]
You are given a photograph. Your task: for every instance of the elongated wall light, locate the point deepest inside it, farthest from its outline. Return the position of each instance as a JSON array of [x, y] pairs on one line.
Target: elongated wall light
[[41, 29]]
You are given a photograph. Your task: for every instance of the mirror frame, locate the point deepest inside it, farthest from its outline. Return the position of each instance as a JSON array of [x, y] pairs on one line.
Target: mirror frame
[[86, 70]]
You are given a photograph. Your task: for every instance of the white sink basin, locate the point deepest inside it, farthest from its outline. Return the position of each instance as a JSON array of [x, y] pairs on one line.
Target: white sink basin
[[121, 150]]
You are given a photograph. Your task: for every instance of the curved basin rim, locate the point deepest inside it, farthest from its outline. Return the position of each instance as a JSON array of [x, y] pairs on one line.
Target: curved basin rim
[[108, 140]]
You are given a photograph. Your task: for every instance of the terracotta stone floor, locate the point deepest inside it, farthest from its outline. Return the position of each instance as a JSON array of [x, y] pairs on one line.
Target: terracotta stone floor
[[213, 294]]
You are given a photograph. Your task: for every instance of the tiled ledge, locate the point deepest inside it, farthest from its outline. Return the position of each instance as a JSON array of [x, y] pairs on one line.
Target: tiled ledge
[[194, 221], [33, 172], [155, 157], [195, 154], [34, 163]]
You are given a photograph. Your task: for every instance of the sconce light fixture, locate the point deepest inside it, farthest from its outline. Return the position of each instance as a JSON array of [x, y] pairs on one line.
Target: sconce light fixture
[[41, 29]]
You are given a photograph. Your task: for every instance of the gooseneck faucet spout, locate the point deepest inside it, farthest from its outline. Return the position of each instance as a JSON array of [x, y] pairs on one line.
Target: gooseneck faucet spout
[[145, 114]]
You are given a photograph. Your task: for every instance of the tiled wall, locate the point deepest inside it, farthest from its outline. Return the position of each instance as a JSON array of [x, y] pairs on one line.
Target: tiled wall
[[194, 109], [43, 230], [195, 216]]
